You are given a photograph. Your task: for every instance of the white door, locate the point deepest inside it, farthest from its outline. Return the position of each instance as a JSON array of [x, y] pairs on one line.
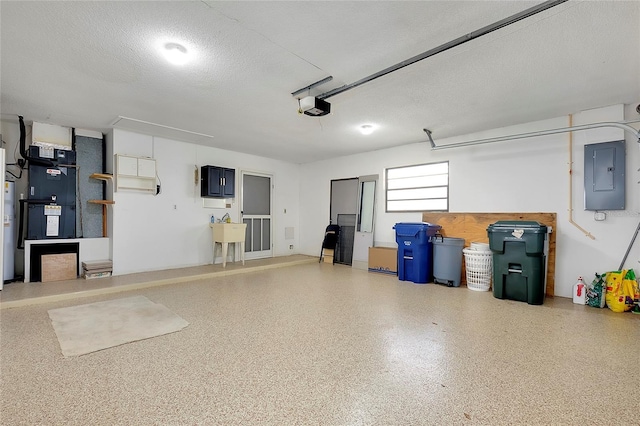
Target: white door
[[363, 238], [256, 213]]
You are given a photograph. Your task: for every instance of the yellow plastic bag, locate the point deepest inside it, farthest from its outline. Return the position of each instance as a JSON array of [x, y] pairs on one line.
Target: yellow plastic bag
[[622, 289], [631, 287]]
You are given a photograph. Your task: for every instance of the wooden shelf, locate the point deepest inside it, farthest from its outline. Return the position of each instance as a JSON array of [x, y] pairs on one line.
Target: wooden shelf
[[137, 184], [103, 202], [101, 176]]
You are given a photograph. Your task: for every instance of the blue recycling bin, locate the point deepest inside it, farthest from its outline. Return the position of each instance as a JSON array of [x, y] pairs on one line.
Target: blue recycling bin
[[415, 259]]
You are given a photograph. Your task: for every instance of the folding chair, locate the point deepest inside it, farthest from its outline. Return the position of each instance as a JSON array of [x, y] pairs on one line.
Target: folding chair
[[331, 234]]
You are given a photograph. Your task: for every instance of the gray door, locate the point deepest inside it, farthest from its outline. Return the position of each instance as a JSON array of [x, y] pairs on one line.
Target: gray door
[[256, 213], [343, 212]]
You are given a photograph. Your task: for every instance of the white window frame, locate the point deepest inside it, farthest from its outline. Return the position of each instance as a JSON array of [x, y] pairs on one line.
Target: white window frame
[[432, 182]]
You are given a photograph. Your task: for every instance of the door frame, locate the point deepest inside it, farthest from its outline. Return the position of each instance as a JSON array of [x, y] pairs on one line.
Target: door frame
[[364, 240]]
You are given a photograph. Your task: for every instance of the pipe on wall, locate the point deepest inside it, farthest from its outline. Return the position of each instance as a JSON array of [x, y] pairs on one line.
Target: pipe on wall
[[622, 126], [571, 221], [570, 130]]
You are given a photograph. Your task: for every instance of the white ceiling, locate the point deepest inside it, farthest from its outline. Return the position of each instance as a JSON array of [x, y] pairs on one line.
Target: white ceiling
[[84, 64]]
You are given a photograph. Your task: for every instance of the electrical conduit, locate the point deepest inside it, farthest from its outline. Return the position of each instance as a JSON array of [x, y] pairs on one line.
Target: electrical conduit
[[571, 221]]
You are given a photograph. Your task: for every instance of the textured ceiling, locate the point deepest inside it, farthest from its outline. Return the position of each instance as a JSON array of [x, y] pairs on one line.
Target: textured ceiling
[[84, 64]]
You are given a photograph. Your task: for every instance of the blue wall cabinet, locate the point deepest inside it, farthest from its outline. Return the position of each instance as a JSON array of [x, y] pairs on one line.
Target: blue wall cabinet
[[217, 182]]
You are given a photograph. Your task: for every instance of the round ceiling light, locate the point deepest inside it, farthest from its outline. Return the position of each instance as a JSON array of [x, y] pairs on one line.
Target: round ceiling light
[[367, 129], [175, 53]]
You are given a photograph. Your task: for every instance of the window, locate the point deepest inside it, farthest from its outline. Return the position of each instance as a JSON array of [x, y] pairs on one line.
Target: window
[[424, 187]]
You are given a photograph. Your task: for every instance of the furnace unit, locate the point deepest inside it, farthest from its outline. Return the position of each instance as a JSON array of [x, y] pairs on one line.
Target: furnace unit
[[52, 193]]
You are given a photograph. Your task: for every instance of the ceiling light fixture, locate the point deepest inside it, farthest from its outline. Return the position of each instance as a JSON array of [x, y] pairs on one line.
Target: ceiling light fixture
[[175, 53], [367, 129]]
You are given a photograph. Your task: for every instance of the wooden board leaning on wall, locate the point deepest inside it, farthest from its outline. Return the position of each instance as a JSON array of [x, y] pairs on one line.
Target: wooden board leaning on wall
[[473, 228]]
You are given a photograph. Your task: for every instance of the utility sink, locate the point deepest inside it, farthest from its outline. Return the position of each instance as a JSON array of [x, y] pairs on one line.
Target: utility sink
[[225, 233], [228, 232]]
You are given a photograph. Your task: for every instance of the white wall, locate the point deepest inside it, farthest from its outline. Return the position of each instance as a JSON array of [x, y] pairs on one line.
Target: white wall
[[171, 230], [527, 175]]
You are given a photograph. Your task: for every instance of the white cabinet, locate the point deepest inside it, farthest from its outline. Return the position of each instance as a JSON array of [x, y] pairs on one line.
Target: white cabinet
[[147, 167], [135, 173], [127, 166]]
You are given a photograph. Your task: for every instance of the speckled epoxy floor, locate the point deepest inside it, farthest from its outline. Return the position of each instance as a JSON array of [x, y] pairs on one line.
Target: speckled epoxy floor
[[24, 294], [330, 345]]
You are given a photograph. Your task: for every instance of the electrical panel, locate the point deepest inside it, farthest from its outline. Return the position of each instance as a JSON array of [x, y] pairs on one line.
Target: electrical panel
[[604, 176]]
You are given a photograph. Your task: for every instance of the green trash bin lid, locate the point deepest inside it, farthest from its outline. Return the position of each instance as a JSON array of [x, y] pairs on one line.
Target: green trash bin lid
[[532, 234], [527, 226]]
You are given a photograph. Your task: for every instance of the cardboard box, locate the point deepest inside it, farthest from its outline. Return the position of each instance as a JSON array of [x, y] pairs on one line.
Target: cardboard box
[[327, 255], [57, 267], [383, 259], [94, 275]]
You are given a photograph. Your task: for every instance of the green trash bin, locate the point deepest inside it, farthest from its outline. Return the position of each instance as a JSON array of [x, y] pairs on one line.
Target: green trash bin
[[518, 260]]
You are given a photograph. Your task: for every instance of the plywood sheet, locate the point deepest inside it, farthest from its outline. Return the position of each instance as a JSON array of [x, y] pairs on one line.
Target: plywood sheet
[[473, 228], [56, 267]]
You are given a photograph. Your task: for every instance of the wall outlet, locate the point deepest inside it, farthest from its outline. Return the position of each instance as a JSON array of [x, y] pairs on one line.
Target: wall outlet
[[290, 246]]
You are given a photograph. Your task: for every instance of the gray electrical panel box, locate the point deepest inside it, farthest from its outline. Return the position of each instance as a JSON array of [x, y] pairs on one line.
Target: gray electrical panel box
[[604, 169]]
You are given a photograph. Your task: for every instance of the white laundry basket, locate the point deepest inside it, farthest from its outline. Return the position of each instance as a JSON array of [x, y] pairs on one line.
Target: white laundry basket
[[479, 267], [480, 246]]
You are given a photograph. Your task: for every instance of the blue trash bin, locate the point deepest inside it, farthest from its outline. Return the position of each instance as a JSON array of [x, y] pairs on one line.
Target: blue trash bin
[[415, 259]]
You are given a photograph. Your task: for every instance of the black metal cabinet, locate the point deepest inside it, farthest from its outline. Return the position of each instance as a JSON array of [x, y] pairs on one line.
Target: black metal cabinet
[[52, 194], [217, 182]]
